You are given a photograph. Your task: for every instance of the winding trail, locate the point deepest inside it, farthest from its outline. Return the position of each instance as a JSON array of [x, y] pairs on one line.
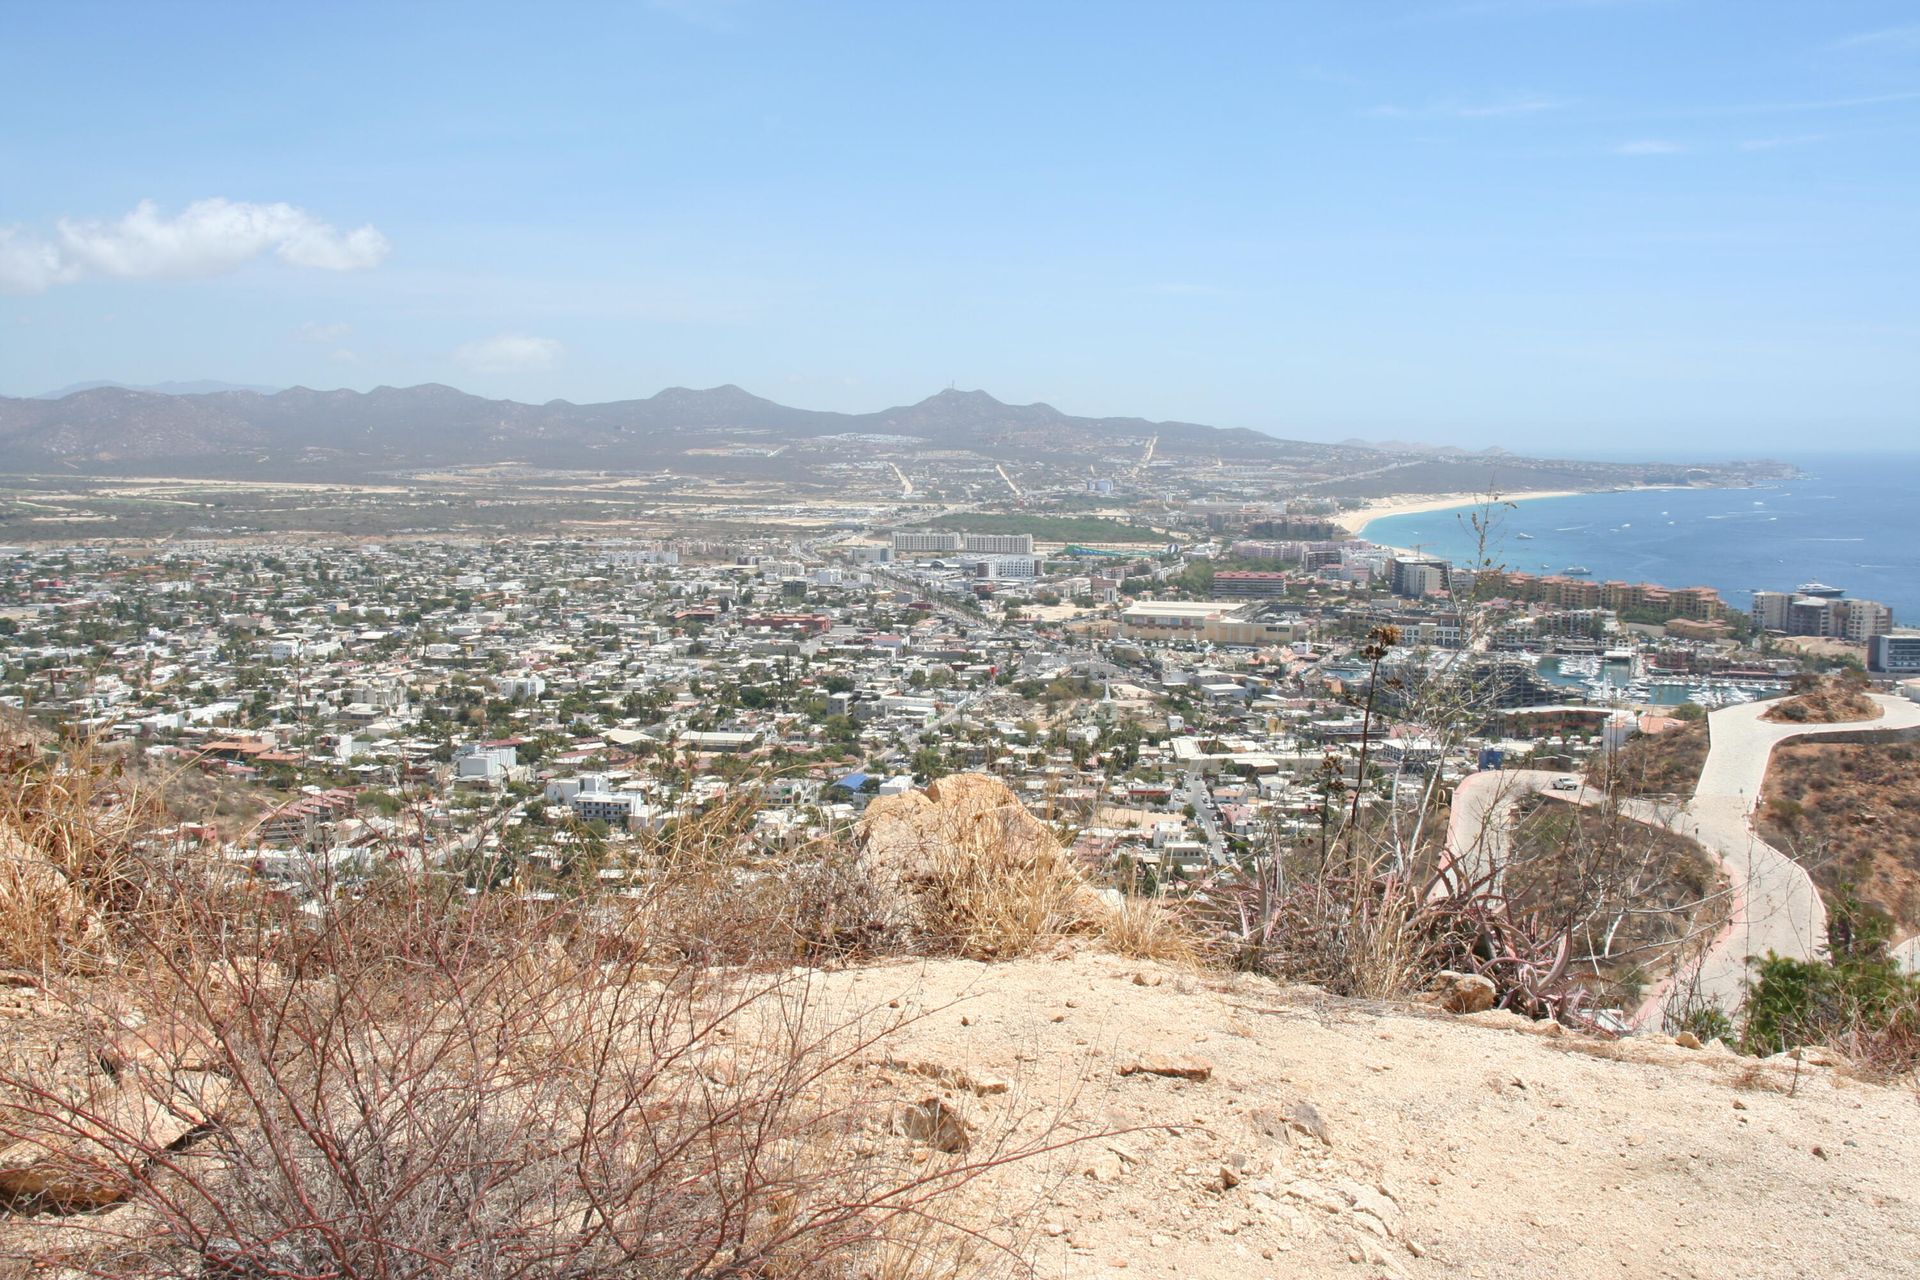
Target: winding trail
[[1776, 906]]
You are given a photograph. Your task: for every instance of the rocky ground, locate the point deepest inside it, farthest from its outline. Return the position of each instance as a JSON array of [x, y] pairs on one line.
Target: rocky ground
[[1208, 1125], [1301, 1136]]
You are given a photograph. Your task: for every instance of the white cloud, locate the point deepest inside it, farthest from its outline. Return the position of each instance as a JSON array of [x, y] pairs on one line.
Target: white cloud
[[313, 331], [1649, 147], [509, 353], [207, 238]]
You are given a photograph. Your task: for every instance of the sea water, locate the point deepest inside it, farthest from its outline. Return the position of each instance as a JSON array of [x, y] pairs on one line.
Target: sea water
[[1851, 522]]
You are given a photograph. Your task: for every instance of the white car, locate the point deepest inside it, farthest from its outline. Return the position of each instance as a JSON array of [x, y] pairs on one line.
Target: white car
[[1564, 784]]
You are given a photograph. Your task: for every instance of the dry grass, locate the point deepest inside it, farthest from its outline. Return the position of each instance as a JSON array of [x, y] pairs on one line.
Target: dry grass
[[1143, 928], [69, 830]]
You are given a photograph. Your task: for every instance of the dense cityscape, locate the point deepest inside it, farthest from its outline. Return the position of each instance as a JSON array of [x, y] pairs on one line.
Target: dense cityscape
[[1175, 703]]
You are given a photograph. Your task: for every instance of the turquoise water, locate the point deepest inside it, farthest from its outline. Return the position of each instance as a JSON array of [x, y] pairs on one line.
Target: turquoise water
[[1852, 522]]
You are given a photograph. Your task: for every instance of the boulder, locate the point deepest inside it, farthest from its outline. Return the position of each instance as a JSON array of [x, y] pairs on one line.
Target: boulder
[[971, 867]]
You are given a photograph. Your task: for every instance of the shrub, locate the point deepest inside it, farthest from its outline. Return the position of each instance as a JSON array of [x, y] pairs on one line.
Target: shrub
[[422, 1083], [1856, 999]]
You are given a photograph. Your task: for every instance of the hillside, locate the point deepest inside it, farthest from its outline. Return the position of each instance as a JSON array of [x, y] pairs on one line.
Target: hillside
[[1851, 814], [1324, 1134], [936, 1051]]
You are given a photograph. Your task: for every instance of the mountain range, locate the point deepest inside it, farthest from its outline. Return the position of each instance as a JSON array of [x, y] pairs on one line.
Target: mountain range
[[123, 429], [302, 433], [200, 386]]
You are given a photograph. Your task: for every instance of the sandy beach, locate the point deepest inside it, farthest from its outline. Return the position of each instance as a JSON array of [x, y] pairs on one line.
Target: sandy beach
[[1356, 521]]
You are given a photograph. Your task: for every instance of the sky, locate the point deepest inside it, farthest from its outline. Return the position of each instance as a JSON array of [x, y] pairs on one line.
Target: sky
[[1556, 225]]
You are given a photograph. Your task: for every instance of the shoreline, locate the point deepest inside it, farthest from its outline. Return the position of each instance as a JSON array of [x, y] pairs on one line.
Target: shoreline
[[1356, 522]]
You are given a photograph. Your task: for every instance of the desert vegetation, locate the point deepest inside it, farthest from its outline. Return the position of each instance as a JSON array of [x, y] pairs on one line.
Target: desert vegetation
[[1836, 701], [1634, 896], [1850, 813], [1654, 765], [422, 1078]]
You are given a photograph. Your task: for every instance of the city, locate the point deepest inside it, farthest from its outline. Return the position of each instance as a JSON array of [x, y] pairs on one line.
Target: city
[[1173, 704]]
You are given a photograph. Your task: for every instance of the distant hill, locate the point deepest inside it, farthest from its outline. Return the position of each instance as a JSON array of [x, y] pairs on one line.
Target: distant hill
[[300, 432], [199, 388], [128, 429]]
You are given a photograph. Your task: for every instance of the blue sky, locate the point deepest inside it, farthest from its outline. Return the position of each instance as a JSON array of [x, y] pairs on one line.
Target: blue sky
[[1537, 223]]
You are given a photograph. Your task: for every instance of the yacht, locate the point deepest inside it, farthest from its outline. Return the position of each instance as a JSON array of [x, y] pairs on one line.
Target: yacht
[[1524, 537], [1576, 571]]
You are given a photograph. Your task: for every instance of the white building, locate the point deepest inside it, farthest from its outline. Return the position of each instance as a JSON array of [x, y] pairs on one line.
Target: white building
[[485, 762], [924, 540], [998, 544], [522, 685]]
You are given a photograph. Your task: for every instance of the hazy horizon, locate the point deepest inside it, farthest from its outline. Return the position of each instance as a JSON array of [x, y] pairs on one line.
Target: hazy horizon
[[1562, 227]]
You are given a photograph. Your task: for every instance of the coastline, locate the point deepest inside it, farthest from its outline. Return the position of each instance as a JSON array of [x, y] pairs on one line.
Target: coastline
[[1356, 522]]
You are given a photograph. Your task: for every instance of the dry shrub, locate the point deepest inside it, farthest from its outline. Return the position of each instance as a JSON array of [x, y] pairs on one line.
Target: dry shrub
[[1834, 702], [1369, 936], [68, 830], [419, 1084], [980, 875], [1143, 928]]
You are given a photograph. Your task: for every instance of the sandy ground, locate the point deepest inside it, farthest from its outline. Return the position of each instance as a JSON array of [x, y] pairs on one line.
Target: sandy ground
[[1321, 1138], [1333, 1139], [1356, 522]]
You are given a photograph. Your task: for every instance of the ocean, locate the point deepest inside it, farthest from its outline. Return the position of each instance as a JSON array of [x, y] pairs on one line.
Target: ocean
[[1851, 521]]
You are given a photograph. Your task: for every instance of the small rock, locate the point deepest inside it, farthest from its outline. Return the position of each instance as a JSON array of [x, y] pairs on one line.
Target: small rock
[[1146, 978], [1305, 1118], [1182, 1066], [1687, 1040], [1464, 992], [933, 1122]]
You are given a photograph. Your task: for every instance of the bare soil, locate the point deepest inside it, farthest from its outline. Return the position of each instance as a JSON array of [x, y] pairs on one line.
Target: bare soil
[[1335, 1138]]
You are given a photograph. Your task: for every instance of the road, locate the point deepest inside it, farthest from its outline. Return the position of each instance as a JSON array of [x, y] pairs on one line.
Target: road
[[1776, 906], [1202, 802]]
